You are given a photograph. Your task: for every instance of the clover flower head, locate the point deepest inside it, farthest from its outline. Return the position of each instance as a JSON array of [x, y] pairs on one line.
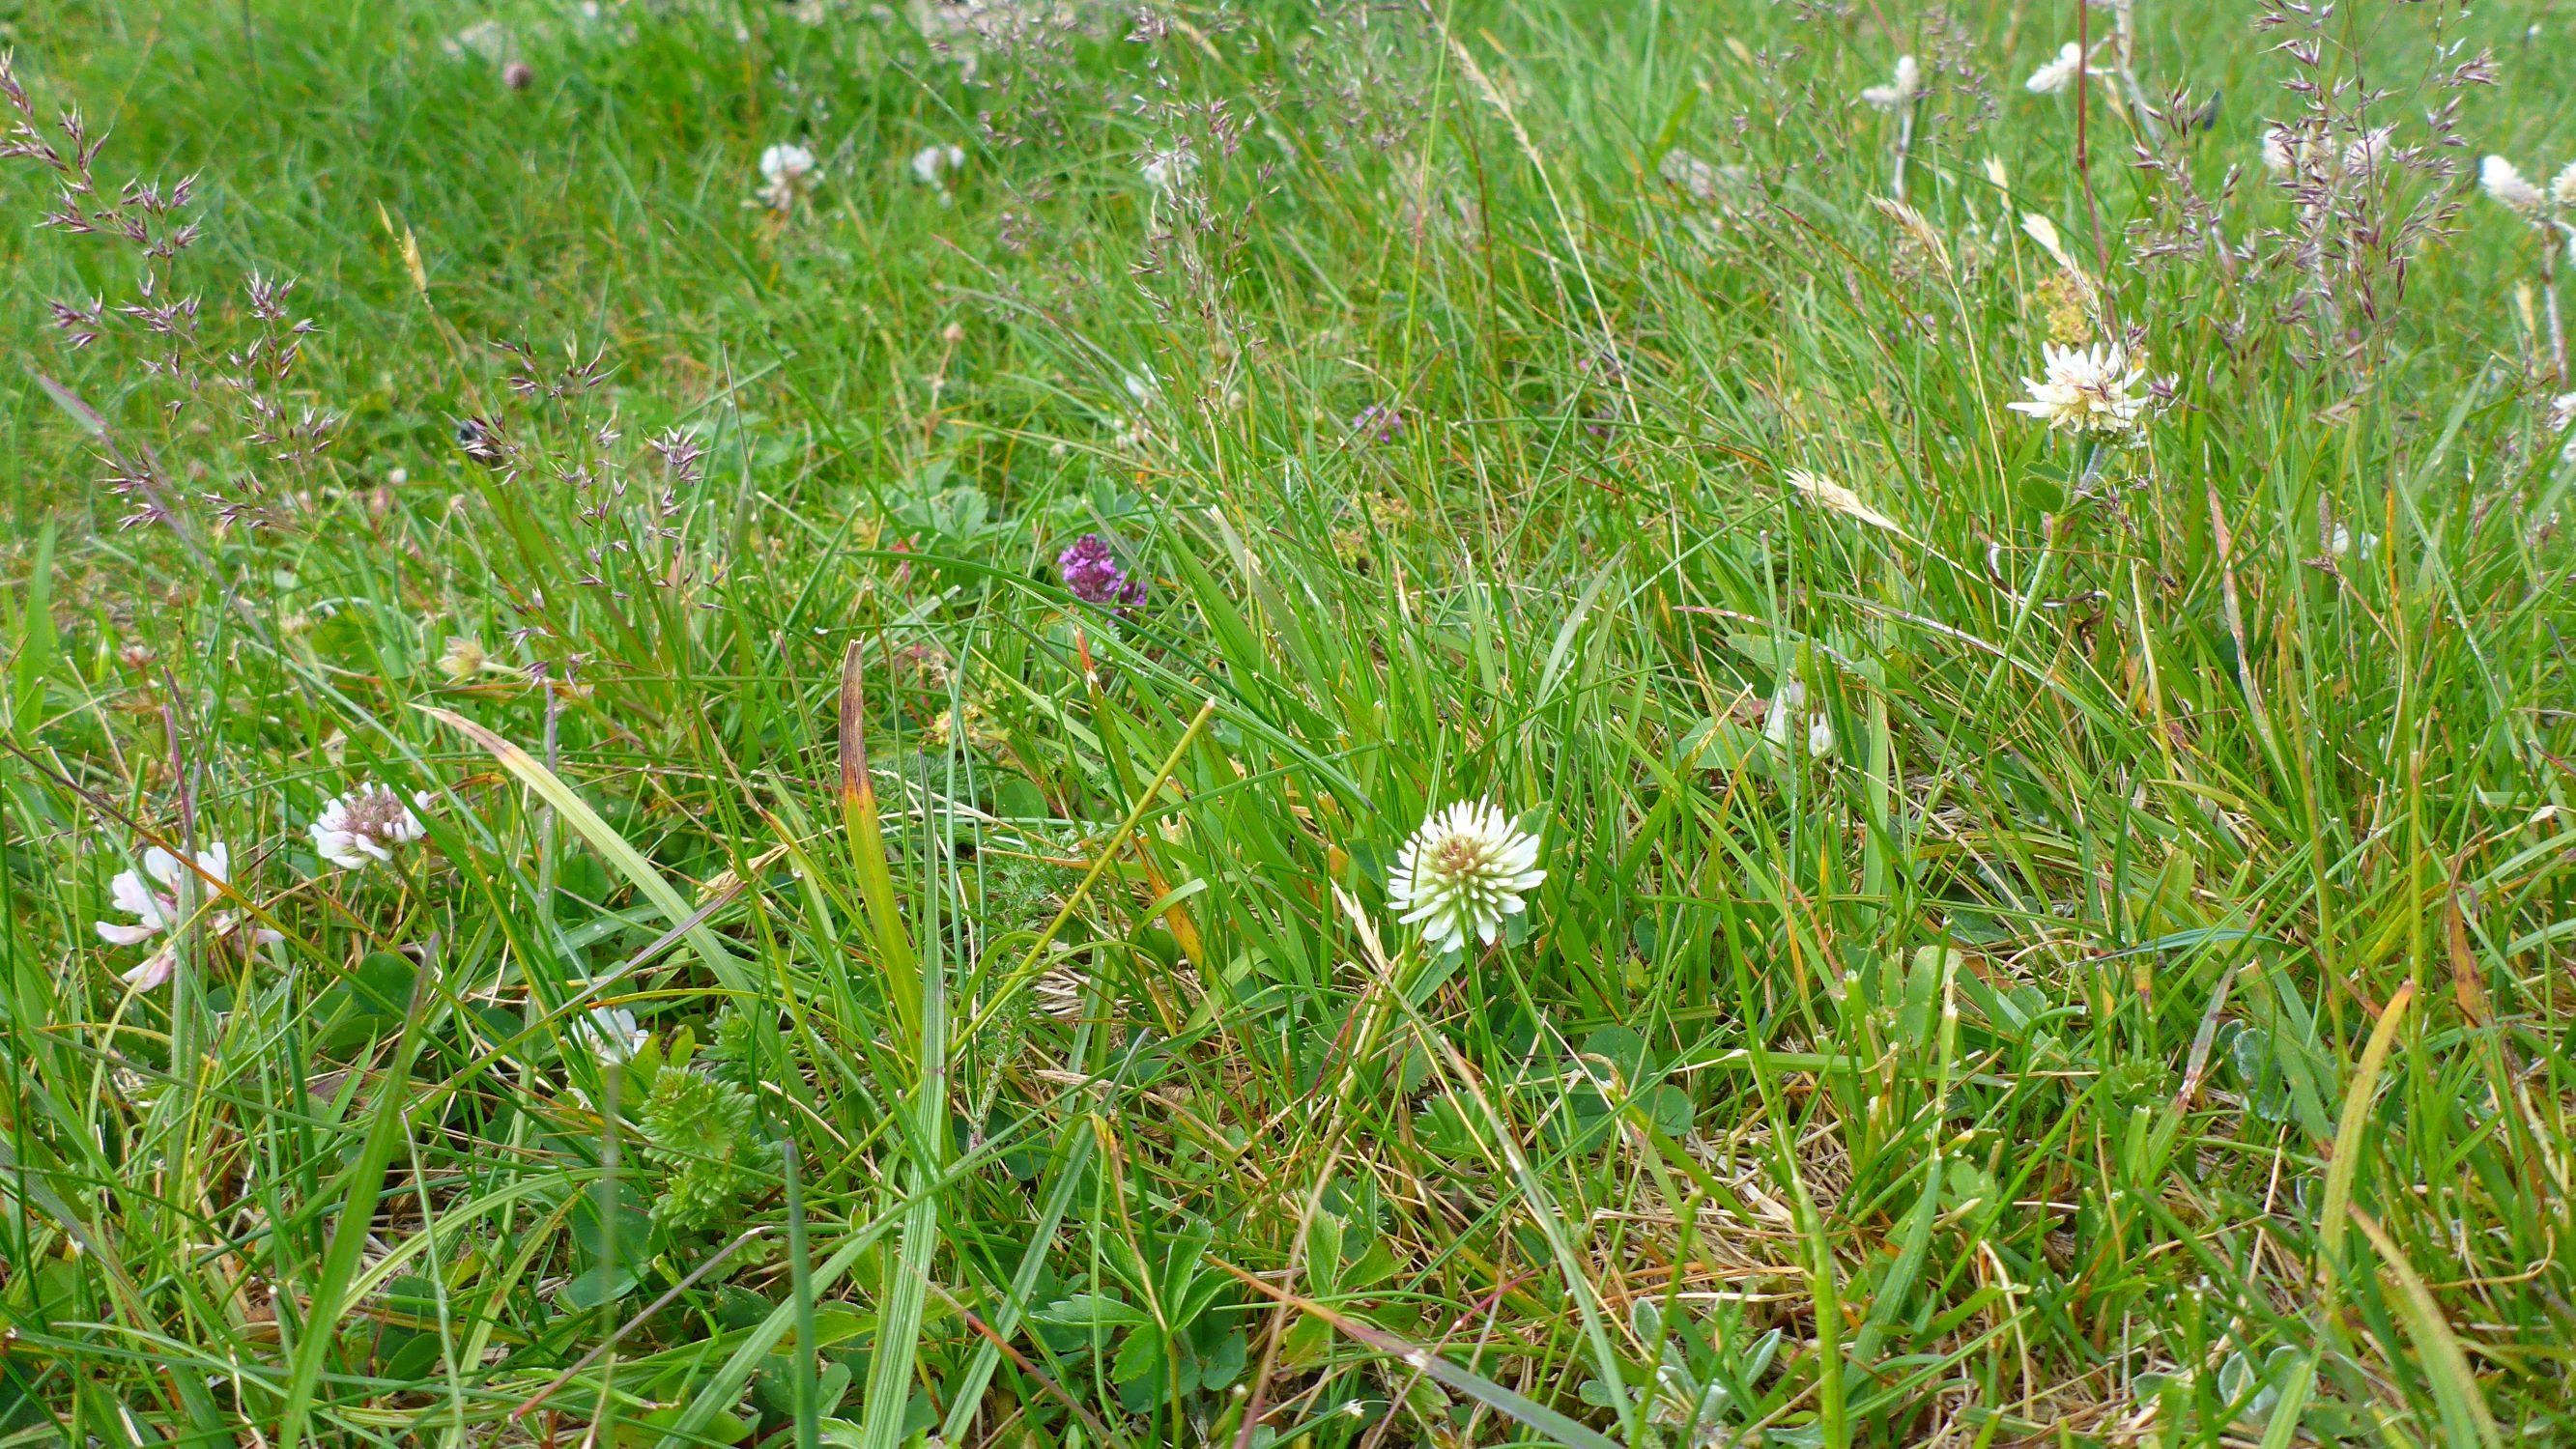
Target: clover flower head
[[2088, 390], [151, 896], [2058, 74], [1901, 89], [2278, 158], [1462, 873], [1169, 171], [2368, 151], [788, 172], [367, 824], [931, 163]]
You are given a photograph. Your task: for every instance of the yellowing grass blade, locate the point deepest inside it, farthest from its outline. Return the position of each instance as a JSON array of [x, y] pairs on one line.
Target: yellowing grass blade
[[896, 957], [2347, 1141]]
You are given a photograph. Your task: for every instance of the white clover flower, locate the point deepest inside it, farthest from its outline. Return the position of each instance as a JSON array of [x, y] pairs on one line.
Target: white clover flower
[[1702, 181], [485, 40], [2284, 157], [2058, 74], [2276, 154], [367, 824], [788, 171], [2365, 153], [155, 908], [1167, 171], [790, 163], [930, 163], [2087, 390], [2562, 187], [1461, 873], [154, 911], [1901, 89], [610, 1034], [2503, 183]]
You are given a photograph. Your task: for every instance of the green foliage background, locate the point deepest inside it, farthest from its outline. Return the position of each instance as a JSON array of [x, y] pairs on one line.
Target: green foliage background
[[2002, 1073]]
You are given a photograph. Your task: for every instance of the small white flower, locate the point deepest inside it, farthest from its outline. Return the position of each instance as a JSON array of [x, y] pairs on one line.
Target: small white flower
[[2342, 541], [2277, 156], [1461, 873], [790, 172], [1788, 710], [930, 163], [2503, 182], [2087, 390], [1702, 181], [154, 911], [2058, 74], [1901, 90], [367, 824], [2365, 153], [151, 896], [485, 40], [789, 163], [2563, 186], [1167, 171], [2562, 415], [610, 1034]]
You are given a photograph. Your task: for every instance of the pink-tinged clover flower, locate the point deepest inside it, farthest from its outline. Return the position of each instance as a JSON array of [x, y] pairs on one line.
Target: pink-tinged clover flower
[[151, 897]]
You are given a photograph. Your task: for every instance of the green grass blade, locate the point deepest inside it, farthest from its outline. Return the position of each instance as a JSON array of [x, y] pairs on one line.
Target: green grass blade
[[2465, 1416], [630, 863], [355, 1219]]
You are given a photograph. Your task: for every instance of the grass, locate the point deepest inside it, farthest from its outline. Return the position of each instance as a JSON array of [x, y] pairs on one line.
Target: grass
[[2140, 1018]]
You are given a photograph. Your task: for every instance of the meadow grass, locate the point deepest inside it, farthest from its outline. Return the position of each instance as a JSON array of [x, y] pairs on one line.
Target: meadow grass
[[2047, 937]]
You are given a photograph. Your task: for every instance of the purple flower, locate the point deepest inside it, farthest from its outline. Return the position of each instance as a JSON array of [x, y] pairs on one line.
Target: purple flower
[[1093, 575], [1381, 421]]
